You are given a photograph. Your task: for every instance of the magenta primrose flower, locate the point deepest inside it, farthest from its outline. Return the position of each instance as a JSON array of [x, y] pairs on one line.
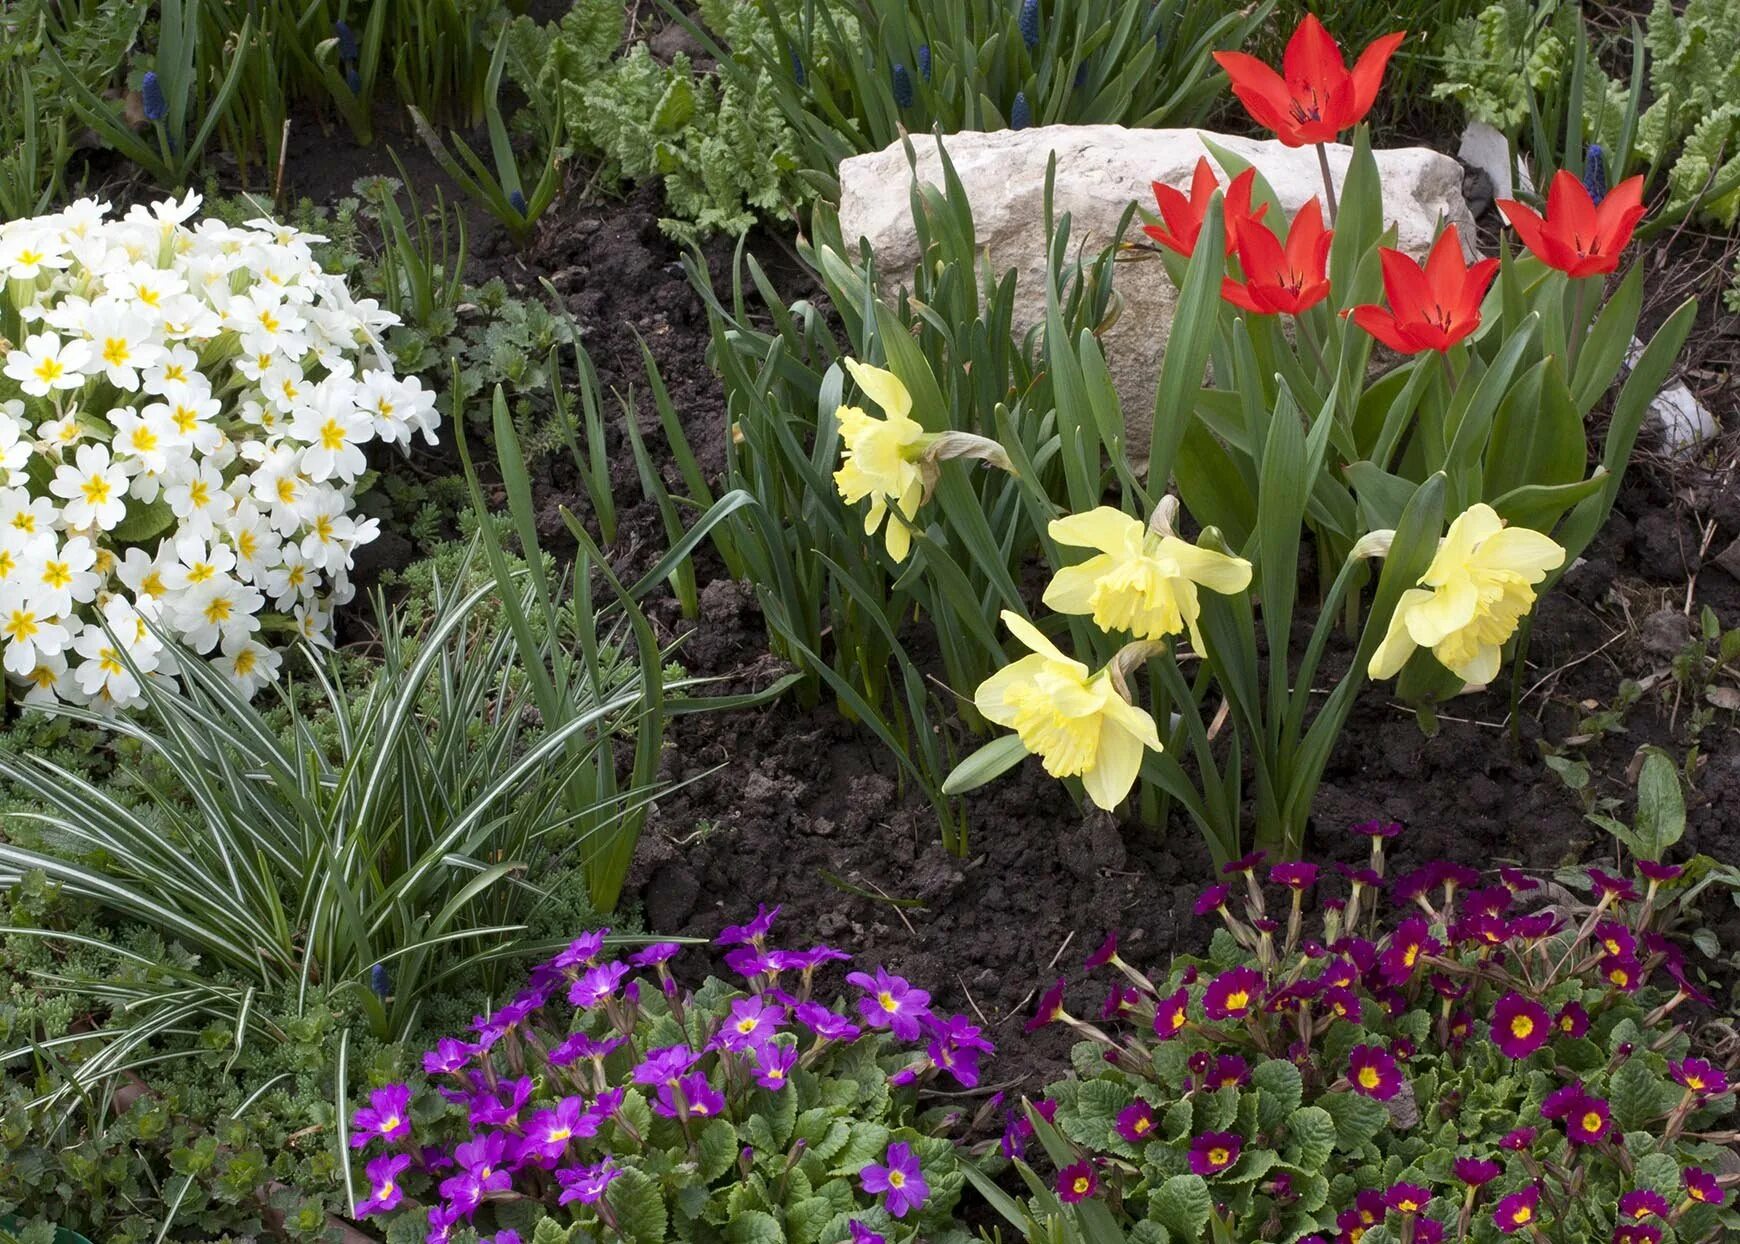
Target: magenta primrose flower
[[956, 1046], [1572, 1020], [826, 1024], [549, 1131], [1611, 887], [1407, 1198], [692, 1094], [1476, 1172], [1372, 1070], [1233, 993], [1105, 954], [1244, 864], [1520, 1025], [1641, 1203], [1701, 1186], [448, 1056], [773, 1064], [1636, 1233], [754, 932], [1076, 1183], [1228, 1071], [500, 1106], [1296, 876], [384, 1191], [486, 1165], [1171, 1013], [1519, 1140], [1588, 1121], [1653, 871], [891, 1003], [1050, 1008], [1412, 940], [1517, 1210], [1212, 1152], [597, 985], [899, 1181], [1703, 1078], [752, 1021], [579, 1046], [864, 1235], [657, 953], [583, 951], [1136, 1122], [1212, 899], [387, 1117], [666, 1064], [585, 1184]]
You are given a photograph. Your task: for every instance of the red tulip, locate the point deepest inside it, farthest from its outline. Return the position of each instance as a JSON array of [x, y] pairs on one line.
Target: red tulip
[[1317, 98], [1577, 237], [1434, 307], [1283, 280], [1184, 216]]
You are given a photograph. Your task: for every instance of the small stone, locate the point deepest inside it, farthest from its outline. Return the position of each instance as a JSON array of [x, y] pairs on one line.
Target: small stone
[[1665, 632]]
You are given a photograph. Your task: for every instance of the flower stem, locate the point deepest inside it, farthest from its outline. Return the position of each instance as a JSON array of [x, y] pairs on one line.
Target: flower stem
[[1328, 181]]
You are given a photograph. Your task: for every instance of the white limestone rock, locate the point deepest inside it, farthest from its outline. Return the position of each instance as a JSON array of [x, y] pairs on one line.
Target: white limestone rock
[[1100, 170]]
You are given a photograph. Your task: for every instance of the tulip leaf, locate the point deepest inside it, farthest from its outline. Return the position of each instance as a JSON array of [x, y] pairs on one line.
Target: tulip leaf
[[1359, 219], [1194, 326], [985, 765], [1540, 506], [1603, 351], [1382, 496]]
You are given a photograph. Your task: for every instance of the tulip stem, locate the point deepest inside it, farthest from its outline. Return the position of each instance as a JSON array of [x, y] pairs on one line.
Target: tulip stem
[[1328, 181]]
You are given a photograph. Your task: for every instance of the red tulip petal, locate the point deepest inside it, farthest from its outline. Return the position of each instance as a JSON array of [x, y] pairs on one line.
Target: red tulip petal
[[1446, 270], [1382, 325], [1618, 215], [1405, 284], [1368, 75], [1238, 295], [1305, 238], [1260, 253], [1571, 212], [1528, 225], [1203, 184], [1474, 286], [1260, 89], [1313, 60]]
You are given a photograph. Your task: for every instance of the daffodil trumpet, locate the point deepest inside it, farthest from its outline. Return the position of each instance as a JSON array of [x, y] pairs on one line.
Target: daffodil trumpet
[[1080, 723], [893, 461], [1479, 586], [1144, 579]]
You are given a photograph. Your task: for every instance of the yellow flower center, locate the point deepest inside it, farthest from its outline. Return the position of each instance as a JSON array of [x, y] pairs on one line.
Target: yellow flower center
[[199, 494], [20, 626], [143, 439], [1521, 1026], [57, 574], [1218, 1156], [116, 351], [1522, 1214], [96, 490], [331, 436], [1369, 1077], [887, 1002], [199, 572], [1591, 1122], [49, 370], [1238, 1000], [897, 1179], [109, 660], [245, 662]]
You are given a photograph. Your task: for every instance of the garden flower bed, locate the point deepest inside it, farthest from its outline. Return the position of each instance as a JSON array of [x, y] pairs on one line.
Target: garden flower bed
[[1289, 794]]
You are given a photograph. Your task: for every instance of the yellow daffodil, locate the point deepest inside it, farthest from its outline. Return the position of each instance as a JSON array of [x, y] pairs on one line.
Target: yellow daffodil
[[1478, 587], [1144, 579], [1080, 724], [880, 459]]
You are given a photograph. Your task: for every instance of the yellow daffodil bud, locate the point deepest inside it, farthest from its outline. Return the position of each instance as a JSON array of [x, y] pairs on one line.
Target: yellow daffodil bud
[[1478, 587], [893, 460], [1144, 579], [1078, 723]]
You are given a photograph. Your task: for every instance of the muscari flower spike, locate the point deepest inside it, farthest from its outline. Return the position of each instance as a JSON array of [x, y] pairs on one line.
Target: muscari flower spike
[[1021, 113], [151, 97], [1029, 23], [1595, 174], [903, 93]]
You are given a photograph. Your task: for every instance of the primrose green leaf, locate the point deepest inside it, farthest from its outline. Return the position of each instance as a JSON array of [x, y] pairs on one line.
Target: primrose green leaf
[[1658, 1172], [1639, 1095], [868, 1143], [717, 1146], [1182, 1205], [1357, 1118], [640, 1208], [1281, 1078], [754, 1227], [1311, 1134], [1661, 806], [143, 522]]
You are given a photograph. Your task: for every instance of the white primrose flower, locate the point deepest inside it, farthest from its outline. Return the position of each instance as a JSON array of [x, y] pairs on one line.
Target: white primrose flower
[[95, 489], [219, 483], [45, 365]]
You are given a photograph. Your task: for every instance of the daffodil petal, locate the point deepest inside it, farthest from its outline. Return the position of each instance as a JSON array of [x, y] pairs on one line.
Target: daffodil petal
[[1218, 572], [1104, 528], [989, 699], [1482, 668], [1452, 607], [882, 387], [1117, 761], [1071, 589], [1398, 645], [1520, 551], [1035, 641]]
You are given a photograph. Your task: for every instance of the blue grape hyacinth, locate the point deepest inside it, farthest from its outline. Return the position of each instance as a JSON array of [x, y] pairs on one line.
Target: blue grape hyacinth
[[1029, 23], [1595, 174], [903, 94], [151, 97], [1021, 115]]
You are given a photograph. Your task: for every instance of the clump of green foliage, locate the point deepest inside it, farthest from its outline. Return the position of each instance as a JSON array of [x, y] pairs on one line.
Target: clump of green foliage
[[1493, 60], [718, 144]]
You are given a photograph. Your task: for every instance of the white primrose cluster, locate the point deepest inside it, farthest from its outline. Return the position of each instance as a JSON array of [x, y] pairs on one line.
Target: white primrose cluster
[[183, 411]]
